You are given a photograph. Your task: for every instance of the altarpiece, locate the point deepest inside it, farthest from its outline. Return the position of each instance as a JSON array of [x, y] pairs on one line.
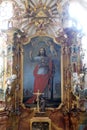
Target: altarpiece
[[43, 75]]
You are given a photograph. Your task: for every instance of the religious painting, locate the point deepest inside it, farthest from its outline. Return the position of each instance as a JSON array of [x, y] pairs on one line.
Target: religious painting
[[40, 123], [42, 71], [40, 126]]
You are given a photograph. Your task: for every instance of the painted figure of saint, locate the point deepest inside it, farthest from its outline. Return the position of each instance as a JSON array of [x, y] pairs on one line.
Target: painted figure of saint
[[42, 73]]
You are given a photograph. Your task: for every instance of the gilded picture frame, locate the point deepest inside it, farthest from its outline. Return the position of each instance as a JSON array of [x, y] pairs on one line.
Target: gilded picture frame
[[53, 92]]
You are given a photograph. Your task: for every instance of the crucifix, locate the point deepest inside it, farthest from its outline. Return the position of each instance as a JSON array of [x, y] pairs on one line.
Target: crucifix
[[37, 99]]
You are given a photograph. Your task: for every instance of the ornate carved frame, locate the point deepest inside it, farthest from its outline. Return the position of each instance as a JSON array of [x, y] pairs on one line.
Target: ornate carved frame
[[21, 64]]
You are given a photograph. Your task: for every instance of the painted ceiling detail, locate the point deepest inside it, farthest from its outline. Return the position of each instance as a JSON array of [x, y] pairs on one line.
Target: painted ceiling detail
[[39, 16]]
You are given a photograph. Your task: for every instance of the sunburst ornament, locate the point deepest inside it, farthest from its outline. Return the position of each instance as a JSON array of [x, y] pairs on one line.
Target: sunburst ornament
[[41, 17]]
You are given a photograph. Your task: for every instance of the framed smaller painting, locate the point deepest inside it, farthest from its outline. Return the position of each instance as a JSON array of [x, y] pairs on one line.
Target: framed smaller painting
[[40, 123]]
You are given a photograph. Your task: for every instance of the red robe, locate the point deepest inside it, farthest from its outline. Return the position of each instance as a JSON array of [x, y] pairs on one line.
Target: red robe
[[41, 81]]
